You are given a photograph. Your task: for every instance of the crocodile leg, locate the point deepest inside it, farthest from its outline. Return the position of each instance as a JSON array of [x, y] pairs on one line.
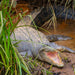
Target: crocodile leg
[[68, 49], [53, 38]]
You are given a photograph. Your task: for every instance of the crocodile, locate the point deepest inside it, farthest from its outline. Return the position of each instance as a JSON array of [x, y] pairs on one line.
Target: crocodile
[[34, 43]]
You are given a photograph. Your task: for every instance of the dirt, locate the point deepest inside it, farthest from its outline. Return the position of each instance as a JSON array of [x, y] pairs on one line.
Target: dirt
[[65, 28]]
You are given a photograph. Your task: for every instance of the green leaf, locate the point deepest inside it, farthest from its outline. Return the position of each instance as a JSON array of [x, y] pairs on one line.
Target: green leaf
[[8, 70]]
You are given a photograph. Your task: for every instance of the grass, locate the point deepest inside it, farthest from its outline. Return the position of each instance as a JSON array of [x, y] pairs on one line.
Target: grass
[[11, 62]]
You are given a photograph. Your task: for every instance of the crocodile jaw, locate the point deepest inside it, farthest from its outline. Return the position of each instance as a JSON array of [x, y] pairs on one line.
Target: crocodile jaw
[[52, 57]]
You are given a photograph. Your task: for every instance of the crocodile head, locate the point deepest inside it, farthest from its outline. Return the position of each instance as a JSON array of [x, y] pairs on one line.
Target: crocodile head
[[51, 56]]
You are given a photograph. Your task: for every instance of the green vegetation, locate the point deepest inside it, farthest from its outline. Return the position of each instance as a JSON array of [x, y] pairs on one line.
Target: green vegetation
[[11, 62]]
